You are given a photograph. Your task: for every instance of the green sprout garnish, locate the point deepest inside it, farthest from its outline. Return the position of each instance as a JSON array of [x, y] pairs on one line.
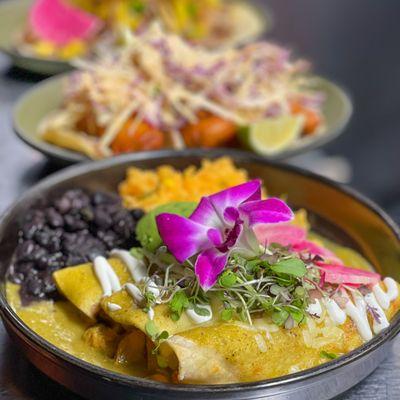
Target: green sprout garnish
[[138, 6], [274, 284], [329, 356], [178, 304], [155, 335]]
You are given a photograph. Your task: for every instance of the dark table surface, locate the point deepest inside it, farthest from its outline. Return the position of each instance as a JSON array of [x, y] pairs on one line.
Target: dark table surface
[[354, 42]]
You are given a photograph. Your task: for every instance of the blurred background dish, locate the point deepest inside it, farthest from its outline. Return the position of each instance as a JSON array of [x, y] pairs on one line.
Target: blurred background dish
[[46, 97], [43, 36], [161, 92], [13, 14]]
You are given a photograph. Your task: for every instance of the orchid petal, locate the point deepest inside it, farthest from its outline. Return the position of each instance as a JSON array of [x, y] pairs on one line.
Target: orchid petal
[[183, 237], [232, 237], [234, 196], [209, 264], [205, 214], [247, 244], [283, 233], [215, 237], [268, 211], [231, 214]]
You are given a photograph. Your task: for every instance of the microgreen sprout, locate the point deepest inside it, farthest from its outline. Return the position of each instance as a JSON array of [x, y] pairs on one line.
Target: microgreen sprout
[[155, 335], [329, 356]]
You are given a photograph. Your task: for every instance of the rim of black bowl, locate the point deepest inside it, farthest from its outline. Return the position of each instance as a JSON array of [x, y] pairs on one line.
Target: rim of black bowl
[[121, 379], [67, 157]]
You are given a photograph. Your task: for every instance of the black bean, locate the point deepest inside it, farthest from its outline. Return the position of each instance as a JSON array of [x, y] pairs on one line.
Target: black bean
[[35, 215], [54, 244], [137, 213], [72, 229], [34, 285], [104, 198], [102, 218], [24, 267], [78, 198], [17, 278], [54, 218], [25, 251], [43, 237], [74, 223], [87, 214], [39, 253], [123, 229], [49, 239], [109, 238], [48, 284], [29, 229], [56, 261], [63, 204]]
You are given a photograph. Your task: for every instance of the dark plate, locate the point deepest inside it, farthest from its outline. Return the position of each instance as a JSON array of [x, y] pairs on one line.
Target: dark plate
[[336, 211], [46, 97]]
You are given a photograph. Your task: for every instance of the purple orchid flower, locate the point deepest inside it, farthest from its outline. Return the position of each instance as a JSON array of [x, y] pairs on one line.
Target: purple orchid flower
[[220, 224]]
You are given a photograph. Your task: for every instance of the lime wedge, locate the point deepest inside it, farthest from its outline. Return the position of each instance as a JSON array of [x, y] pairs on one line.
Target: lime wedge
[[272, 135]]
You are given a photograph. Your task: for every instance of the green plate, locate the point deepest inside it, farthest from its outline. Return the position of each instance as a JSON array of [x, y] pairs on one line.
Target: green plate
[[46, 97], [13, 15]]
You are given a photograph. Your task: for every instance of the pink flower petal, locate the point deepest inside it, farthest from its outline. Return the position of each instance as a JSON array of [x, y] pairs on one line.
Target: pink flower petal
[[341, 275], [231, 215], [215, 237], [231, 237], [306, 246], [210, 263], [210, 210], [282, 233], [183, 237], [236, 195], [61, 23], [268, 211], [206, 214]]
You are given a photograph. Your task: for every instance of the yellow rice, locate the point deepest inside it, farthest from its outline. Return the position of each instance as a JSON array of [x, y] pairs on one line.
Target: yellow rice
[[147, 189]]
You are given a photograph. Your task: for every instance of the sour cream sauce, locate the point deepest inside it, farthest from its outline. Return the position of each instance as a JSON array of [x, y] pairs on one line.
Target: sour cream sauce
[[106, 276], [357, 308], [138, 272]]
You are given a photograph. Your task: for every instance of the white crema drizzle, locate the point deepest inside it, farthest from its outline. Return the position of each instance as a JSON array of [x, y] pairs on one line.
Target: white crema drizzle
[[139, 274], [106, 276], [200, 319], [357, 307]]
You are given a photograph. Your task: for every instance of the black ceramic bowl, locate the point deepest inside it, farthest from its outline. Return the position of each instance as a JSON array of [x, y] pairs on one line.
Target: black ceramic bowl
[[336, 211]]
